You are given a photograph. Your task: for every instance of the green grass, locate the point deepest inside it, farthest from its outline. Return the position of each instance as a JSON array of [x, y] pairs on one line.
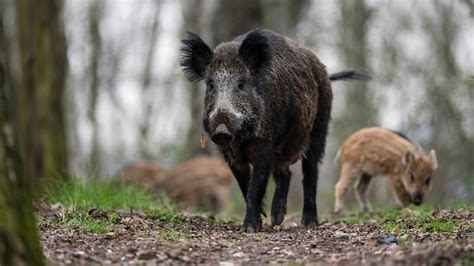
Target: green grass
[[421, 219], [173, 235], [81, 220], [78, 195]]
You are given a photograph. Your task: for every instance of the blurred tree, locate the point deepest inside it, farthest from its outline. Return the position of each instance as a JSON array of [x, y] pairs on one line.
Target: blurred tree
[[146, 82], [281, 15], [41, 116], [232, 18], [19, 243], [94, 16], [439, 113], [193, 12], [359, 110]]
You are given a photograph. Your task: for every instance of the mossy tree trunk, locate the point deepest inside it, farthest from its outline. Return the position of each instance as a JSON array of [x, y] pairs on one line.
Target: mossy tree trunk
[[40, 110], [19, 244]]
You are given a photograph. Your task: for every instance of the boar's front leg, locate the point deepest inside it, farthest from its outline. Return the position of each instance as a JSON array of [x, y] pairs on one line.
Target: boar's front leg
[[257, 187], [241, 172]]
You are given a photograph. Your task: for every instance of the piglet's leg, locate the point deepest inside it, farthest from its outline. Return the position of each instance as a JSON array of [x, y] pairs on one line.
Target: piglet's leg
[[346, 181], [402, 197], [361, 192], [257, 187]]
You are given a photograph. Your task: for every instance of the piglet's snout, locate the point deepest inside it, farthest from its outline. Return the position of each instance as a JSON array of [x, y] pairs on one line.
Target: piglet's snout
[[417, 199], [222, 135]]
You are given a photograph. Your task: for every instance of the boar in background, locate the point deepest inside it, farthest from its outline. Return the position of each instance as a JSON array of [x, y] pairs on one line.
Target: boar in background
[[202, 182]]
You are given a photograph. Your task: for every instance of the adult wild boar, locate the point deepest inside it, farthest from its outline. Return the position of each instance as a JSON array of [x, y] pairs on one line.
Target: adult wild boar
[[267, 104], [373, 152]]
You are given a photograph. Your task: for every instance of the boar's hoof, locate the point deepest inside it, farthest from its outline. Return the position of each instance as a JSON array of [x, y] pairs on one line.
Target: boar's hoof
[[251, 228], [222, 136], [309, 220], [277, 218]]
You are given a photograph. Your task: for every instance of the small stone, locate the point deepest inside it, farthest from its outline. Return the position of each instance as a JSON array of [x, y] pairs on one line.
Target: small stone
[[340, 234], [185, 259], [78, 253], [239, 254]]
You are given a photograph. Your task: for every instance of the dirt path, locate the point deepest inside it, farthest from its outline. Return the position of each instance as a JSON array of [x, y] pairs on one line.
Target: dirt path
[[196, 240]]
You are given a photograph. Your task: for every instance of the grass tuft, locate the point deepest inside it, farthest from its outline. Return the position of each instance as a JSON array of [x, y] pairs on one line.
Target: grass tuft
[[420, 219], [110, 196], [173, 235]]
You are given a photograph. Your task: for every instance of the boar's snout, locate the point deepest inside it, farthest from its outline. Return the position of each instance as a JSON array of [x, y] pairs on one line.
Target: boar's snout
[[222, 136], [223, 127], [417, 199]]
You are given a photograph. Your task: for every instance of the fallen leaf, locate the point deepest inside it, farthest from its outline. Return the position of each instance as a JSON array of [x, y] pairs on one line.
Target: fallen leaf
[[202, 141]]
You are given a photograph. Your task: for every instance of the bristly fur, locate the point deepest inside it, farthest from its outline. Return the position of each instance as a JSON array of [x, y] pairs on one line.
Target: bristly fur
[[401, 135], [349, 75], [275, 99], [195, 56], [255, 49]]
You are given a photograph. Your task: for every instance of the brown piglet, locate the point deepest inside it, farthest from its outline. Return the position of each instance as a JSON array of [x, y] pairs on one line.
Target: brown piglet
[[373, 152]]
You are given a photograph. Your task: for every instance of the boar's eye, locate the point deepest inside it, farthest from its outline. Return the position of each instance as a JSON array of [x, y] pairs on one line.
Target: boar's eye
[[412, 177], [210, 84], [428, 180], [241, 84]]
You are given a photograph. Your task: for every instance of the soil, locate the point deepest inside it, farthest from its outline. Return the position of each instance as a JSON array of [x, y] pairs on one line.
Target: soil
[[196, 240]]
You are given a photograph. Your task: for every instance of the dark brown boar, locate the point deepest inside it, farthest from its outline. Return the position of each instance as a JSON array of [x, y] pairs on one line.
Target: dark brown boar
[[267, 104]]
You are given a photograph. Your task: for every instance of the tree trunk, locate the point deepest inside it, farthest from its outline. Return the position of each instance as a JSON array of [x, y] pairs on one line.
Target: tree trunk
[[95, 13], [42, 49], [146, 84], [19, 244]]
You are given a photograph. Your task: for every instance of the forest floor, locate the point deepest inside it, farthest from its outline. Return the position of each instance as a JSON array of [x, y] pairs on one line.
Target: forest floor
[[74, 234], [135, 238]]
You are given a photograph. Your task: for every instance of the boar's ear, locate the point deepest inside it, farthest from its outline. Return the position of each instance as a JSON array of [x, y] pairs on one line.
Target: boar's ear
[[407, 158], [195, 56], [255, 49], [434, 160]]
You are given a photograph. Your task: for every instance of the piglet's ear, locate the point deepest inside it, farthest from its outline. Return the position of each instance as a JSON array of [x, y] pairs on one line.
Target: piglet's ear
[[195, 57], [255, 49], [434, 160]]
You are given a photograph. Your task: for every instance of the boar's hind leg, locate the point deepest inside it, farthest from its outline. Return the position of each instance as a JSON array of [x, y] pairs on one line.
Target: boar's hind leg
[[311, 162], [282, 180], [361, 191]]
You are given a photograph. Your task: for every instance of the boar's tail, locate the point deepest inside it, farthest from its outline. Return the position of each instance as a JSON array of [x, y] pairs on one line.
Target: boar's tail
[[349, 75]]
